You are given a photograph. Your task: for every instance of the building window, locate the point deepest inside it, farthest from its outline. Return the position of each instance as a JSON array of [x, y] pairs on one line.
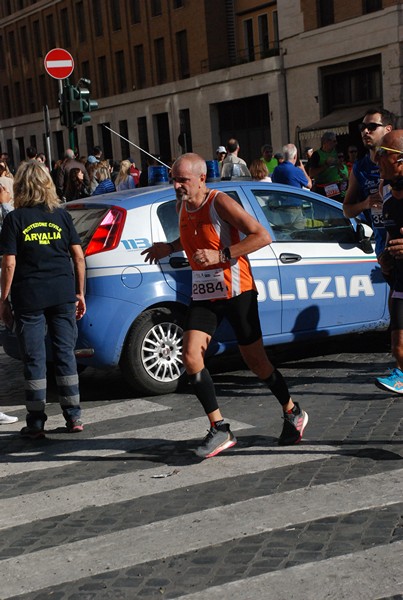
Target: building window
[[135, 11], [369, 6], [97, 18], [82, 34], [143, 140], [24, 42], [124, 144], [139, 66], [36, 28], [18, 98], [115, 12], [65, 28], [177, 4], [248, 40], [185, 138], [275, 30], [182, 52], [42, 88], [156, 8], [263, 28], [325, 12], [89, 138], [351, 84], [13, 49], [160, 60], [103, 76], [120, 71], [85, 69], [2, 60], [31, 96], [50, 31], [6, 102]]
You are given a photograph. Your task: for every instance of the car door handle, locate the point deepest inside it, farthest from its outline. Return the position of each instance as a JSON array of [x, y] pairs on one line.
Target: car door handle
[[287, 257], [178, 262]]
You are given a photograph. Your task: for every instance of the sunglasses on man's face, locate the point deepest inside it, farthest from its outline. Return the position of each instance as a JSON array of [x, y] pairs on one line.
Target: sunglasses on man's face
[[369, 126], [384, 151]]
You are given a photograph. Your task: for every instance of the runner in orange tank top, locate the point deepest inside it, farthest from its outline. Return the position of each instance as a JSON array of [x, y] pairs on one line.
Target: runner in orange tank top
[[210, 225]]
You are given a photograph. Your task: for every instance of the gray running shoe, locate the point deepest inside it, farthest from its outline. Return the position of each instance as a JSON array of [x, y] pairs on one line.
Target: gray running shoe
[[218, 439], [293, 428]]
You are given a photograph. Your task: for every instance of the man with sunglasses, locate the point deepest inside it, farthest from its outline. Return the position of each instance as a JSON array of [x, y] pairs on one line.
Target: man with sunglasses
[[389, 156], [362, 194]]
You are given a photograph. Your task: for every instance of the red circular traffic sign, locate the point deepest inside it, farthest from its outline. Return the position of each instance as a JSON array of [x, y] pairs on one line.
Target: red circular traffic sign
[[59, 63]]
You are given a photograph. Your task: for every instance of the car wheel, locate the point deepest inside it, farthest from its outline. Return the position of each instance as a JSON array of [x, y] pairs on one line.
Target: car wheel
[[151, 360]]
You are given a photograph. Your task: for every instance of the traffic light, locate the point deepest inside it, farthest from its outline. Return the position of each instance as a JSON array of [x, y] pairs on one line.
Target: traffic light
[[87, 105], [75, 105]]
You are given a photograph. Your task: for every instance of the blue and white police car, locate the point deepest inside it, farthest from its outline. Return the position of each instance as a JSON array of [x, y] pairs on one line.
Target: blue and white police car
[[318, 278]]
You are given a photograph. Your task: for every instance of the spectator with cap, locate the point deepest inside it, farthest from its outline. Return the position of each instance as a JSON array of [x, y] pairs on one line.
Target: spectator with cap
[[324, 168], [220, 153], [267, 156], [232, 165], [97, 152]]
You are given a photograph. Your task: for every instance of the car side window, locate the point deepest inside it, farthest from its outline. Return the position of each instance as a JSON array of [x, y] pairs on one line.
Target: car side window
[[169, 219], [303, 218]]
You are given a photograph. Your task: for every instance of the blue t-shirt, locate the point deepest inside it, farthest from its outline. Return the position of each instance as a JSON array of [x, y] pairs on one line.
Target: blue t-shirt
[[368, 177], [289, 174]]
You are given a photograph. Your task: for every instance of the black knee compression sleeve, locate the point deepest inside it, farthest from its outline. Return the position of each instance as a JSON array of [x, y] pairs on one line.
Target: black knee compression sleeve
[[278, 386], [203, 387]]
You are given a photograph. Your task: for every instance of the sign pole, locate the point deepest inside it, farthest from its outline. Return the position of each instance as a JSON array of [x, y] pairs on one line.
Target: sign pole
[[46, 121]]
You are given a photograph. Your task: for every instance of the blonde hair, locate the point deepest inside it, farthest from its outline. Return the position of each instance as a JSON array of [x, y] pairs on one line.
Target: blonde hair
[[102, 171], [33, 186], [258, 169], [124, 171]]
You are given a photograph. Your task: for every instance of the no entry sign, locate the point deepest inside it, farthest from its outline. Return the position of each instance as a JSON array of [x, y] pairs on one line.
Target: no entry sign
[[59, 63]]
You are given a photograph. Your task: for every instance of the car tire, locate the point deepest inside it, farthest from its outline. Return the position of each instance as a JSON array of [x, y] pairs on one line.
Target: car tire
[[151, 359]]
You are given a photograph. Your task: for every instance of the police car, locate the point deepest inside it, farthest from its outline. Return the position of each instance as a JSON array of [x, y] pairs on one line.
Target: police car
[[318, 278]]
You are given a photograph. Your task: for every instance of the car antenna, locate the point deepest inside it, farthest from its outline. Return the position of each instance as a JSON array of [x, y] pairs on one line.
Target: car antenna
[[133, 144]]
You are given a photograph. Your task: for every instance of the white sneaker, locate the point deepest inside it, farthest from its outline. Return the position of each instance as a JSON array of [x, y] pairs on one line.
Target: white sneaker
[[6, 419]]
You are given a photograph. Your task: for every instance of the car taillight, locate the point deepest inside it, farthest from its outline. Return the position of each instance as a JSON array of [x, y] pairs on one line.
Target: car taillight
[[108, 233]]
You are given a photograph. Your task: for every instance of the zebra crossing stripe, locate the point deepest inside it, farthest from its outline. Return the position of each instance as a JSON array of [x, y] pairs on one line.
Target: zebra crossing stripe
[[109, 411], [372, 573], [189, 532], [120, 488], [107, 445]]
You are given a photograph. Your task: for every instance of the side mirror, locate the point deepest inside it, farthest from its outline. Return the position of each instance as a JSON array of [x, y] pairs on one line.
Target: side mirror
[[364, 234]]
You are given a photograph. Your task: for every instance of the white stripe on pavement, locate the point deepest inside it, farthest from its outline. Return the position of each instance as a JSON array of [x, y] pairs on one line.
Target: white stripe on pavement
[[195, 531], [120, 488], [106, 412], [59, 455], [373, 573]]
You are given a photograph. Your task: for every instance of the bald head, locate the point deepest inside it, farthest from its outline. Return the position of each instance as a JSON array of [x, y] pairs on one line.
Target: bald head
[[393, 139], [390, 156], [192, 161]]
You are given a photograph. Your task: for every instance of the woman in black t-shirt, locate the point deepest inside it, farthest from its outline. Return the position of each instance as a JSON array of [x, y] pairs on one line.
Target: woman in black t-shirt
[[38, 241]]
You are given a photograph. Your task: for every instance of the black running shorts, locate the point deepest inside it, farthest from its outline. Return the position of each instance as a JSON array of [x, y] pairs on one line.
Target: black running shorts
[[241, 311]]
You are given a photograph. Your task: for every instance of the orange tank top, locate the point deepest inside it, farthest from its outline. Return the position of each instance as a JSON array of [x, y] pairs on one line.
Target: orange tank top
[[204, 228]]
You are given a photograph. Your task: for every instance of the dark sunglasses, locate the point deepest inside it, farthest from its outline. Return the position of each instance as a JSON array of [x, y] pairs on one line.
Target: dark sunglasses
[[369, 126], [340, 156]]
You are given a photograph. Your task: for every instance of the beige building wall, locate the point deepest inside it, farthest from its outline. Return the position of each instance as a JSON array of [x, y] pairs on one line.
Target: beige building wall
[[306, 52]]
